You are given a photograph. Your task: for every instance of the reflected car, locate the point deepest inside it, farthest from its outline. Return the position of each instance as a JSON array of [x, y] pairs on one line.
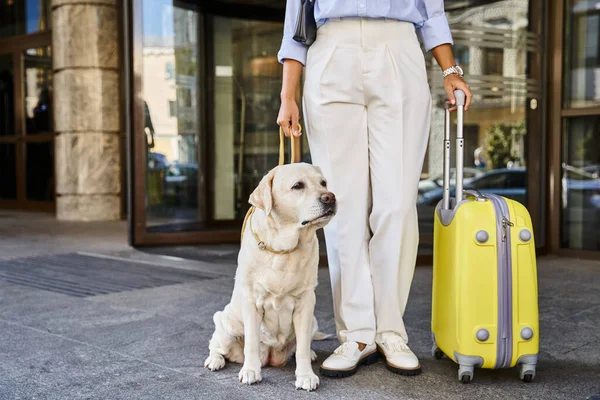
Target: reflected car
[[436, 181], [181, 183], [157, 161], [507, 182]]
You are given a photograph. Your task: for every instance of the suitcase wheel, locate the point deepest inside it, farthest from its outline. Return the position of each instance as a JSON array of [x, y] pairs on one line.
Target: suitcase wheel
[[527, 372], [437, 353], [527, 378], [465, 373]]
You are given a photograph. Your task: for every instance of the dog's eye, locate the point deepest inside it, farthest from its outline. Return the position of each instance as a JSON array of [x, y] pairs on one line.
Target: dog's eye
[[298, 186], [323, 183]]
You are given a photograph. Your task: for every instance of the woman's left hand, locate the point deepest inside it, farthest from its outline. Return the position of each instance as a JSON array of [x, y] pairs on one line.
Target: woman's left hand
[[453, 82]]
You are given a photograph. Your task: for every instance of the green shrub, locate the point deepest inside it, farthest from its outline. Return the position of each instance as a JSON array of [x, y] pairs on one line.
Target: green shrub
[[499, 148]]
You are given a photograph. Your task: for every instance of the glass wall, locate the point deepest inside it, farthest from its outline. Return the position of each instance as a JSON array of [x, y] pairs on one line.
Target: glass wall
[[580, 167], [492, 44]]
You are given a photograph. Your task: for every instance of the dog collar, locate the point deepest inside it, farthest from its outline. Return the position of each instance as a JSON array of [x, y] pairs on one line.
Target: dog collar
[[261, 244]]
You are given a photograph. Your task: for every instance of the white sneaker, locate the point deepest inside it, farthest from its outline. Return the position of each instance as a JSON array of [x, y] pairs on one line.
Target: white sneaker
[[345, 360], [398, 356]]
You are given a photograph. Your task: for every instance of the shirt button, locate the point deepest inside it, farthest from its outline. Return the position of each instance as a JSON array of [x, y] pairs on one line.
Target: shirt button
[[362, 6]]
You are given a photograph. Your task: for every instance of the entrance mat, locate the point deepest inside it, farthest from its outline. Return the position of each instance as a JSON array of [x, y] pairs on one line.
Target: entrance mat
[[82, 275]]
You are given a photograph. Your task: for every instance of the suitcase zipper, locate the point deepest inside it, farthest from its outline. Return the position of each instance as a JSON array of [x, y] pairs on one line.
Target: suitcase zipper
[[503, 225]]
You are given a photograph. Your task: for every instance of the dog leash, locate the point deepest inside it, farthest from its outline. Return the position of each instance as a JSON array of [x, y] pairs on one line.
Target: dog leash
[[295, 157]]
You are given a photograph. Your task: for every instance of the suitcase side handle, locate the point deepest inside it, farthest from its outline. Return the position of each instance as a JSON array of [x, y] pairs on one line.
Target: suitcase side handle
[[459, 95], [476, 194]]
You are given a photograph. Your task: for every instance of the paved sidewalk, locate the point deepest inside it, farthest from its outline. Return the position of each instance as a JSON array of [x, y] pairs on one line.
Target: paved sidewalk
[[146, 336]]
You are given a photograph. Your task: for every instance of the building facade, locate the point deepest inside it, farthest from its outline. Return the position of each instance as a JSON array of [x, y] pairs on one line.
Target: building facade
[[164, 113]]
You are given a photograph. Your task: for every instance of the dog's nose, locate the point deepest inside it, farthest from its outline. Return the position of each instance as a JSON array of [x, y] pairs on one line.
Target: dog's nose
[[328, 198]]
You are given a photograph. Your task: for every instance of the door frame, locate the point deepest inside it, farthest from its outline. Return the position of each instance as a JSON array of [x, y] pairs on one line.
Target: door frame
[[15, 46]]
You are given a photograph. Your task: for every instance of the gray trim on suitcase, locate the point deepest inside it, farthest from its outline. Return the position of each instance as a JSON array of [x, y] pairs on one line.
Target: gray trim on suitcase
[[446, 216], [473, 361], [528, 359], [504, 343]]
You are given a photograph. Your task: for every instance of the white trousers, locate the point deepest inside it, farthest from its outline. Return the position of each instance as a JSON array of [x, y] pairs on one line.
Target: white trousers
[[367, 107]]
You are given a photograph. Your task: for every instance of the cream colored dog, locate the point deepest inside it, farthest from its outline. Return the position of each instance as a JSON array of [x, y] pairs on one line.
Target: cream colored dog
[[271, 312]]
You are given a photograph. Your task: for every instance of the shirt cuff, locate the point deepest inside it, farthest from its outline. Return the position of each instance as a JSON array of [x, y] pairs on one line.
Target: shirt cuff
[[435, 31], [290, 49]]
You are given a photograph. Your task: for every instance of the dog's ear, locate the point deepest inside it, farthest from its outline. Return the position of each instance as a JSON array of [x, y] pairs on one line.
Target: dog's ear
[[262, 196]]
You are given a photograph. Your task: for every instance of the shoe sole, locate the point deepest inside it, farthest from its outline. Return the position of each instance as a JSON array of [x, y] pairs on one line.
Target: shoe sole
[[399, 371], [344, 373], [404, 372]]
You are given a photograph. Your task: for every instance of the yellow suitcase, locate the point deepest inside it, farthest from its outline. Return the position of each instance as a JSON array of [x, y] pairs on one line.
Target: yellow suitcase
[[484, 303]]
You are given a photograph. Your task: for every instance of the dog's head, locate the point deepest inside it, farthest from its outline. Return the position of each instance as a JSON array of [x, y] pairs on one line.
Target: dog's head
[[295, 193]]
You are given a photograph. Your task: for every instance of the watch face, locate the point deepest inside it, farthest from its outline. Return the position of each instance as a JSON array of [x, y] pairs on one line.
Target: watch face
[[460, 71]]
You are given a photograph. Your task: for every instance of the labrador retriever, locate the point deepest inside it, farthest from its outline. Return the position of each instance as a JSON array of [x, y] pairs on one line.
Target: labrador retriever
[[271, 312]]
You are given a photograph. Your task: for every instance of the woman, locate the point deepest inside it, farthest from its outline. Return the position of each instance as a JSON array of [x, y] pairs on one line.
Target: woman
[[367, 109]]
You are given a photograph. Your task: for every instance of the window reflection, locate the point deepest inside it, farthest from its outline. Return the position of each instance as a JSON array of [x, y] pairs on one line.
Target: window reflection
[[37, 65], [582, 53], [580, 184], [247, 87], [39, 156], [170, 73]]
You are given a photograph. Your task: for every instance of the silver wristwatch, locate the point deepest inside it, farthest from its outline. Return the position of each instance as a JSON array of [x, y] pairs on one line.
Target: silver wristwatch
[[453, 70]]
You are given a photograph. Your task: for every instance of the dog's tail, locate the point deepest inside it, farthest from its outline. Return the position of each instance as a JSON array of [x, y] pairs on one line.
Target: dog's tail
[[318, 335]]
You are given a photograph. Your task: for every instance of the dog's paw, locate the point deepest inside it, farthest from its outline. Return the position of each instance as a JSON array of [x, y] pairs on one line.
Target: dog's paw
[[214, 362], [307, 382], [250, 376], [313, 356]]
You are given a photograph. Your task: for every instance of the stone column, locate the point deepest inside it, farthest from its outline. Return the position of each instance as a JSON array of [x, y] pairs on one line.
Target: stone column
[[85, 47]]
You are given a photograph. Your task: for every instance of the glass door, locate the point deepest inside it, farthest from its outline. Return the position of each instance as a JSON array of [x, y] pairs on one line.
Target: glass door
[[26, 124], [206, 94]]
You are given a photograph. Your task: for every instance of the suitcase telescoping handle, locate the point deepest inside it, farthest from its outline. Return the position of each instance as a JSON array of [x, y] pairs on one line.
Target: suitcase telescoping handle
[[460, 151]]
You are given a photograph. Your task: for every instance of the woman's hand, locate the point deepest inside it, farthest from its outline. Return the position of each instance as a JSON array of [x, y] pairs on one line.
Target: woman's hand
[[288, 117], [453, 82]]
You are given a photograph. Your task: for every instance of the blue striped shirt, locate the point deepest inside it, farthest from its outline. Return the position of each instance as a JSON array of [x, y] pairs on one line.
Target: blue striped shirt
[[427, 15]]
